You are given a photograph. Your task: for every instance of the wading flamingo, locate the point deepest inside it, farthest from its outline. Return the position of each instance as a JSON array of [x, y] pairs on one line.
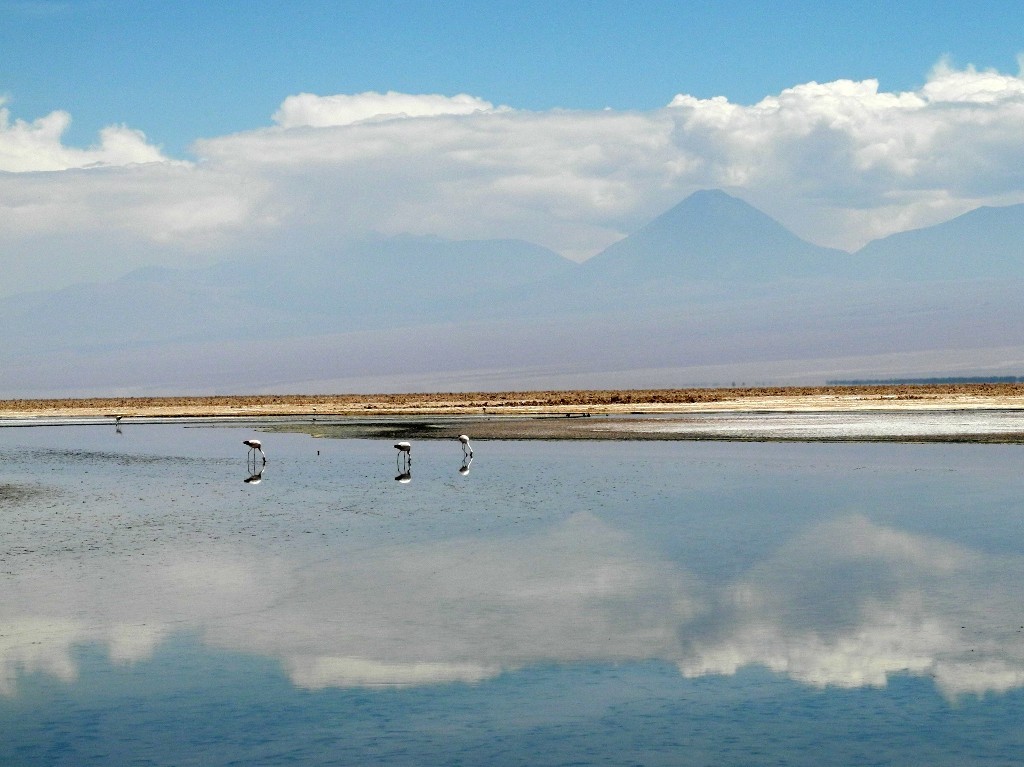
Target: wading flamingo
[[404, 456], [254, 445]]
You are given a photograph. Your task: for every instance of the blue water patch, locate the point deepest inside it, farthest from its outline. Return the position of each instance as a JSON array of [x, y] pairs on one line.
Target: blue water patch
[[191, 705], [559, 603]]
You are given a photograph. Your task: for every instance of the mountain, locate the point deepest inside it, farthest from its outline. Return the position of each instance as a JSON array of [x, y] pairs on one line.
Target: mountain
[[986, 243], [713, 236], [711, 291], [399, 280], [376, 284]]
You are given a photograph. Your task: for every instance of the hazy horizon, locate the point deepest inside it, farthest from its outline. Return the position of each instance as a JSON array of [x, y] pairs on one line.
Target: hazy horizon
[[262, 154]]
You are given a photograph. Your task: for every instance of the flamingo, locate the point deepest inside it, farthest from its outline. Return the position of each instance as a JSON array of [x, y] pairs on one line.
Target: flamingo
[[404, 452], [467, 449], [253, 445]]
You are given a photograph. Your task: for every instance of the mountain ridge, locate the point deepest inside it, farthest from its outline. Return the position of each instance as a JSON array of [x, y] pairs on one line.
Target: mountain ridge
[[987, 242], [663, 297]]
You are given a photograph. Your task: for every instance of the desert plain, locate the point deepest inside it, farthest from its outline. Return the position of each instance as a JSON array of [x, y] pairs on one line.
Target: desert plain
[[993, 396]]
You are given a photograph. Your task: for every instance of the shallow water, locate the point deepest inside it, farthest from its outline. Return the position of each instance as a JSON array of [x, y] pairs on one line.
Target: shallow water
[[560, 603]]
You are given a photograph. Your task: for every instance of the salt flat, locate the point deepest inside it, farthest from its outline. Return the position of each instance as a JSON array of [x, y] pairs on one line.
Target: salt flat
[[828, 425]]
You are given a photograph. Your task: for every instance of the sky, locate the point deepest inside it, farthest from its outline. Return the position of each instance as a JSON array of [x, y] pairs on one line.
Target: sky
[[138, 133]]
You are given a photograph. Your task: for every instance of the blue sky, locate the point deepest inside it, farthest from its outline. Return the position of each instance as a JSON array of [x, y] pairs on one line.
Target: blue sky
[[178, 133], [179, 71]]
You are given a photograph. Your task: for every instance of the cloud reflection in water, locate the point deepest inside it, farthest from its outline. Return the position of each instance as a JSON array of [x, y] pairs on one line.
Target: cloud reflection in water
[[850, 602], [847, 603]]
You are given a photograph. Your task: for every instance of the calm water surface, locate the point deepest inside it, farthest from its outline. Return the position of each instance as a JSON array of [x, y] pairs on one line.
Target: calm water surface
[[676, 603]]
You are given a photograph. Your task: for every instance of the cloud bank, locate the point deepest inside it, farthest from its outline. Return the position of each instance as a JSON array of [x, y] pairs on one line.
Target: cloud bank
[[840, 163]]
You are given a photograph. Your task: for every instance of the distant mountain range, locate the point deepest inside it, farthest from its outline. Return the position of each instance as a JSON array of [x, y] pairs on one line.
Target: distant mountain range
[[712, 288]]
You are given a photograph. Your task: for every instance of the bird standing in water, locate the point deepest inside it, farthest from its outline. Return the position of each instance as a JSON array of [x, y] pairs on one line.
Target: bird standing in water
[[467, 449], [254, 445]]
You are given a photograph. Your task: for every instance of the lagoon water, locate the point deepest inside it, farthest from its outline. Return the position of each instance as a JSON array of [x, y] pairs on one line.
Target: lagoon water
[[655, 603]]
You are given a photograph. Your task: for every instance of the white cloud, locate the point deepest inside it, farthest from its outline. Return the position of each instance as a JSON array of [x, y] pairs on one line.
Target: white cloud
[[310, 110], [946, 84], [840, 163], [561, 179], [38, 146], [872, 162]]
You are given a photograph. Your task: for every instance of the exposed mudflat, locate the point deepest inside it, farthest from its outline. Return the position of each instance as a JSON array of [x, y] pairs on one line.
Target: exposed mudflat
[[14, 494], [1003, 426]]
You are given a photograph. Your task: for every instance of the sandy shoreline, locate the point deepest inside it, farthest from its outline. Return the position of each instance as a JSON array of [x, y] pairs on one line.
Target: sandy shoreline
[[660, 401]]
